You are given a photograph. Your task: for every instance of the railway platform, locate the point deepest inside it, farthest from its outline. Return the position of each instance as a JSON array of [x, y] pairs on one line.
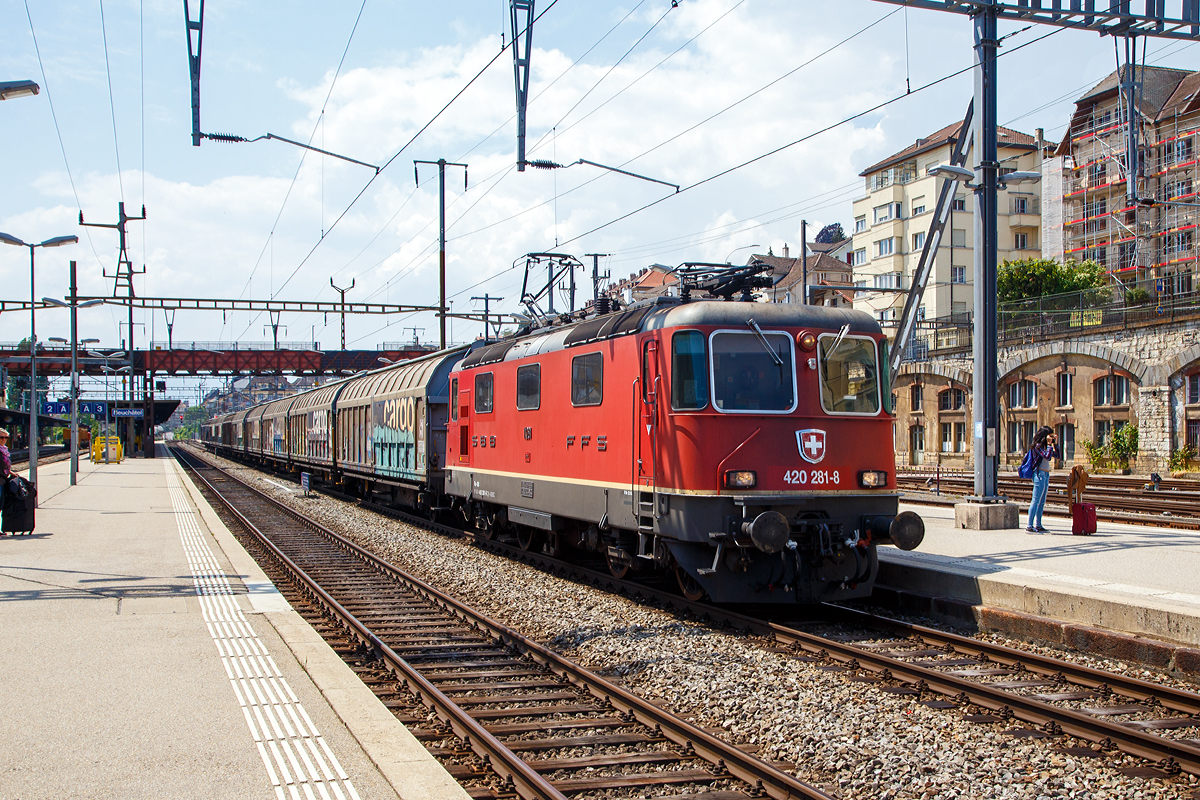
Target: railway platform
[[147, 655], [1130, 590]]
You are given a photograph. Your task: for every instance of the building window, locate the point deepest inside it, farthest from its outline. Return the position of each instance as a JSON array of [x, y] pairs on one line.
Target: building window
[[914, 397], [960, 204], [1020, 241], [918, 206], [958, 238], [1066, 441], [885, 247], [1193, 433], [1064, 389], [947, 437], [952, 400], [1112, 390], [1178, 243], [883, 213], [1193, 390], [958, 274], [1097, 254], [1022, 394], [1104, 431], [1020, 205], [1096, 208], [860, 224], [888, 280], [960, 437], [1020, 435], [1177, 188], [916, 440], [587, 380], [1097, 173], [859, 257], [918, 240]]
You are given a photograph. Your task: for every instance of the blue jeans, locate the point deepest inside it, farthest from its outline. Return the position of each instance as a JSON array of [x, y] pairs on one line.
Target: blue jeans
[[1041, 484]]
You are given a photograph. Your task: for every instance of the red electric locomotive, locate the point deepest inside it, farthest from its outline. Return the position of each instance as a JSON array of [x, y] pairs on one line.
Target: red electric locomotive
[[745, 446]]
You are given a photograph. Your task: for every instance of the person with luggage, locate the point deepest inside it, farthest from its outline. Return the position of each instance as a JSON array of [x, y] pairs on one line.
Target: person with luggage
[[5, 466], [1038, 461]]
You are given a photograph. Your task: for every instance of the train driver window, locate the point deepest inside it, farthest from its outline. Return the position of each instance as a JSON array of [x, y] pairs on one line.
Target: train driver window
[[752, 373], [587, 380], [689, 371], [483, 393], [849, 375], [454, 399], [529, 387]]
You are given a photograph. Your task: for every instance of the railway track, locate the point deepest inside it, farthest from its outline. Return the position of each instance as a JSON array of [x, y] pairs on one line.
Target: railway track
[[547, 727], [55, 454], [1175, 504], [1026, 694]]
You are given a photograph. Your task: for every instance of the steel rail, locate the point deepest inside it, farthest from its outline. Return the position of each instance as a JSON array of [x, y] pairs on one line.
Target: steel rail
[[1147, 746], [754, 771], [526, 781], [1134, 688]]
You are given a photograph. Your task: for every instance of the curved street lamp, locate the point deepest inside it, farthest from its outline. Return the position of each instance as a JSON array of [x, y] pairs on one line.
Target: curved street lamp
[[57, 241]]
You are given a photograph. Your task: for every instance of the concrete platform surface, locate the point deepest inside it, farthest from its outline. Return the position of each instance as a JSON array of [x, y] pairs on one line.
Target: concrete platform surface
[[146, 655], [1134, 579]]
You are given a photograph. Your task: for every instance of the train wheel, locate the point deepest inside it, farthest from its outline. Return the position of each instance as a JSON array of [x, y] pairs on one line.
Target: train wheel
[[689, 586], [618, 568], [526, 537]]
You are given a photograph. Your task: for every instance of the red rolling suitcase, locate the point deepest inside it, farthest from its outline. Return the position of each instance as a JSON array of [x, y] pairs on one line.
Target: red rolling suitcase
[[1083, 518]]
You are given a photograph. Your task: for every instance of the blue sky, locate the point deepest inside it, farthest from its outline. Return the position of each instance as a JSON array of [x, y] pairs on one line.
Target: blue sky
[[219, 226]]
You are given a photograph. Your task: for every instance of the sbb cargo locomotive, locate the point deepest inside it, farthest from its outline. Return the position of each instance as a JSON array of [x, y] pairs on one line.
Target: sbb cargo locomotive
[[747, 447]]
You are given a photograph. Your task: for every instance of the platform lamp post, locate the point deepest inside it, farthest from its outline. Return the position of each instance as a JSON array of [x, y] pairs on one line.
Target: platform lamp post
[[11, 89], [73, 304], [57, 241]]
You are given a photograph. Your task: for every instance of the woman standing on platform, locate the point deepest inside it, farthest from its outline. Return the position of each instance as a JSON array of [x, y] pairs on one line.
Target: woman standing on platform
[[1044, 450], [5, 466]]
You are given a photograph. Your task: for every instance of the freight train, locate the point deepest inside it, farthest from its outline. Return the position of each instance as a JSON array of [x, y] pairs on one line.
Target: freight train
[[746, 447]]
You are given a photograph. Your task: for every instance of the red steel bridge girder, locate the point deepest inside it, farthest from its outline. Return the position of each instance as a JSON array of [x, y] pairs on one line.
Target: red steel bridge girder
[[213, 362]]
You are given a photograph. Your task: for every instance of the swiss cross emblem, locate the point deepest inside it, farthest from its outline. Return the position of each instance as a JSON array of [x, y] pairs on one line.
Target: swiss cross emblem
[[812, 444]]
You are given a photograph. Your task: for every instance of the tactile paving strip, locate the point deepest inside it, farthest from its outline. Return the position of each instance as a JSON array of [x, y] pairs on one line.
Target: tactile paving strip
[[299, 762]]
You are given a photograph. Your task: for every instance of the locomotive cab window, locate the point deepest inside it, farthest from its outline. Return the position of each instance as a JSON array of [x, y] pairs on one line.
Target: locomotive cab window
[[483, 393], [454, 399], [529, 387], [587, 380], [689, 371], [849, 375], [752, 373]]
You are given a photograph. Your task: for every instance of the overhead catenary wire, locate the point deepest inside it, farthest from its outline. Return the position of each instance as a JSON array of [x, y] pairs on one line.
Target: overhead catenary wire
[[111, 104], [333, 82], [62, 147], [398, 153]]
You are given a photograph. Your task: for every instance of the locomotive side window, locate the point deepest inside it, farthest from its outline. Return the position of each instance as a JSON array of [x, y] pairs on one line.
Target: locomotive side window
[[587, 380], [454, 399], [689, 371], [849, 375], [529, 387], [483, 393], [752, 373]]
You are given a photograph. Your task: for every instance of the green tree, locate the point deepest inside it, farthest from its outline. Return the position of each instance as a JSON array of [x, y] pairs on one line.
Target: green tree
[[831, 234], [1038, 277], [193, 418]]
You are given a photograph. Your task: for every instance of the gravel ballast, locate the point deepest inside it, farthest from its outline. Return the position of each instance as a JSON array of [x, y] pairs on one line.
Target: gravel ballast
[[847, 737]]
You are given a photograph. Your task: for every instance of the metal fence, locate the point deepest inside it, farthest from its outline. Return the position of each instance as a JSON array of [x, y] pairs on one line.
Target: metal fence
[[1074, 313]]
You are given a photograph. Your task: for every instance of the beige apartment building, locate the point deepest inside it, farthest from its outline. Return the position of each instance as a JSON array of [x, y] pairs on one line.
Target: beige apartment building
[[892, 221]]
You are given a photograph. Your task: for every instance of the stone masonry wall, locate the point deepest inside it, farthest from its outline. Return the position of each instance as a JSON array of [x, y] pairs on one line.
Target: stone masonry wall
[[1157, 359]]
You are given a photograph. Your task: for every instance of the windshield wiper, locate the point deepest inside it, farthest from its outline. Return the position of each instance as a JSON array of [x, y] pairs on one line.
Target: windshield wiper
[[841, 335], [762, 338]]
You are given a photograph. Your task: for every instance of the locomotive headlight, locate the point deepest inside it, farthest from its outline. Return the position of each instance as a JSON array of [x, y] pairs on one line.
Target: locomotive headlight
[[807, 340], [872, 479], [740, 479]]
